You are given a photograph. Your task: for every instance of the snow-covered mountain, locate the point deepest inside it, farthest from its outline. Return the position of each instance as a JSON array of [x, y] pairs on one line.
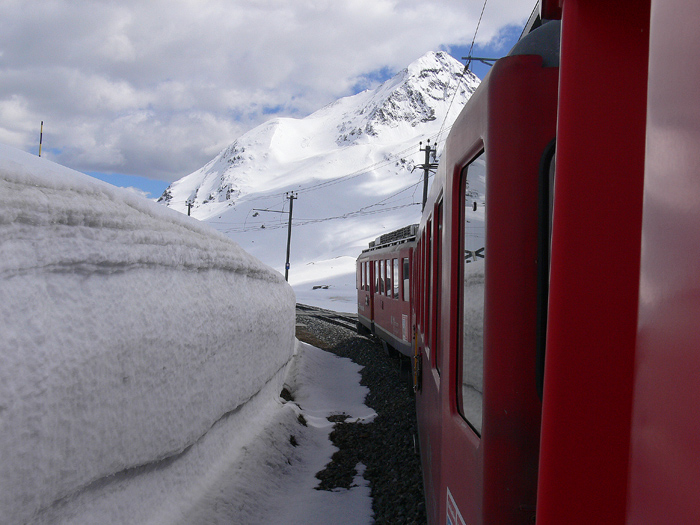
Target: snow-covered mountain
[[350, 165]]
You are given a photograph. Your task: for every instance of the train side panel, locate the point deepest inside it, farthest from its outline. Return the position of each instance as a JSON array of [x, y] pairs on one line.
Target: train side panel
[[665, 471], [492, 478], [428, 413], [594, 275]]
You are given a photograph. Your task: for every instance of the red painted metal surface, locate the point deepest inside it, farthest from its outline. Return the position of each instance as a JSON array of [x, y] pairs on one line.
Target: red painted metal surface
[[617, 435], [550, 9], [665, 471], [491, 479], [594, 262]]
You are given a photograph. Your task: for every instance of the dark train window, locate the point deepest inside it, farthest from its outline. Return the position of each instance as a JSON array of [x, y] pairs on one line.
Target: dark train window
[[395, 277], [473, 238], [406, 280], [544, 245]]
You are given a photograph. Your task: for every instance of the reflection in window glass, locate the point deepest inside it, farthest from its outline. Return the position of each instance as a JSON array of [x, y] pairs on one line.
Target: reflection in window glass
[[428, 286], [395, 275], [376, 276], [472, 351], [382, 277], [406, 280], [388, 277]]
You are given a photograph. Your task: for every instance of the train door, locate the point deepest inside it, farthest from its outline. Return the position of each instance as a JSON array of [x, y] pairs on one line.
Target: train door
[[462, 490], [490, 405]]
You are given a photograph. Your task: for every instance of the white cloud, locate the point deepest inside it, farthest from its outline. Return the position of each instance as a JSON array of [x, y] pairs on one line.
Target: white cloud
[[157, 88]]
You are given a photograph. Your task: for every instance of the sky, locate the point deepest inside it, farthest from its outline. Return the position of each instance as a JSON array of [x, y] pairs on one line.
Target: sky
[[141, 94]]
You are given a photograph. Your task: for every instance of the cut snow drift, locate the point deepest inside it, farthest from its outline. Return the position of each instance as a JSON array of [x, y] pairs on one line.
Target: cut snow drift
[[133, 341]]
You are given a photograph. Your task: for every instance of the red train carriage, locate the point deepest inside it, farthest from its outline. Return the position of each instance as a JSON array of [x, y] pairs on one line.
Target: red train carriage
[[557, 376], [556, 279], [476, 323], [384, 292]]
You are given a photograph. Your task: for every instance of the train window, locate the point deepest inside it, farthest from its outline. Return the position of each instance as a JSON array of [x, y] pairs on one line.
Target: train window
[[438, 285], [471, 351], [382, 277], [387, 276], [406, 280], [367, 280], [428, 268], [361, 276], [544, 245], [395, 277], [419, 283], [376, 277]]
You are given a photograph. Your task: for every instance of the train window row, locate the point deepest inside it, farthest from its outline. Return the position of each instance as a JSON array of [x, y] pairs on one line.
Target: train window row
[[388, 279], [470, 353]]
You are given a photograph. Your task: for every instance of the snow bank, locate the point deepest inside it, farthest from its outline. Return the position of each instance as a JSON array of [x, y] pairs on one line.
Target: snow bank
[[273, 479], [128, 331]]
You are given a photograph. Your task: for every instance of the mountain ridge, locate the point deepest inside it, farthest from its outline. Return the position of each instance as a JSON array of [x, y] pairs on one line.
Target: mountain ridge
[[392, 112]]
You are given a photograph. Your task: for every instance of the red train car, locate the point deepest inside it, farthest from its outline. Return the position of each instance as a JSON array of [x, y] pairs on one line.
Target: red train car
[[476, 325], [384, 289], [557, 377]]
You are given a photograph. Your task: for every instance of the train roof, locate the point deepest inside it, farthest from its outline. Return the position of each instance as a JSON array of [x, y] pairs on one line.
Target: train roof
[[400, 236]]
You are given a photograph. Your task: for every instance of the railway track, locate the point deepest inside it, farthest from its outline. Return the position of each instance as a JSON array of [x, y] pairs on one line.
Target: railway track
[[386, 445], [348, 321]]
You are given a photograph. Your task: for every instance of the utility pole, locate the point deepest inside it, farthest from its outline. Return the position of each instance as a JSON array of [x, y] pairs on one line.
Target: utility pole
[[427, 167], [41, 136], [291, 196]]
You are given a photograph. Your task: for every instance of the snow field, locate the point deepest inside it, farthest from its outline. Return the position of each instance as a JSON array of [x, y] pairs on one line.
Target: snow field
[[129, 334]]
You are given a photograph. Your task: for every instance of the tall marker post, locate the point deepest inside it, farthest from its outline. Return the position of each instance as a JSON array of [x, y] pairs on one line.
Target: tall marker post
[[41, 136]]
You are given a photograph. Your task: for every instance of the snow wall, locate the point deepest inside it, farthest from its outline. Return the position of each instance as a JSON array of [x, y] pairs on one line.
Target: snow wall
[[129, 335]]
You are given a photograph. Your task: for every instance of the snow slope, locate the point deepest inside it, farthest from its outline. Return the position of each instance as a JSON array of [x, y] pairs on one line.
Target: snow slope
[[350, 165], [137, 346]]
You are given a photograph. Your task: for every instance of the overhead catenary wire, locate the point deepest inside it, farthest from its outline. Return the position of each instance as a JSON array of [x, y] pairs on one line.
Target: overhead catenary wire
[[303, 222], [464, 72], [365, 210], [471, 47]]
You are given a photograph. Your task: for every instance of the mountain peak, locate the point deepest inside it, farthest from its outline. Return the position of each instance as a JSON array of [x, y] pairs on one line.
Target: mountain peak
[[406, 108], [413, 96]]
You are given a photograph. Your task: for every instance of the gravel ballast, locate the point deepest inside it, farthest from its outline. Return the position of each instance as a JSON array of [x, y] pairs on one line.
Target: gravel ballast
[[386, 446]]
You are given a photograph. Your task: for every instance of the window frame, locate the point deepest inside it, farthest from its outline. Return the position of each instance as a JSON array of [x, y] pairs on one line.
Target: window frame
[[406, 279], [464, 175]]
